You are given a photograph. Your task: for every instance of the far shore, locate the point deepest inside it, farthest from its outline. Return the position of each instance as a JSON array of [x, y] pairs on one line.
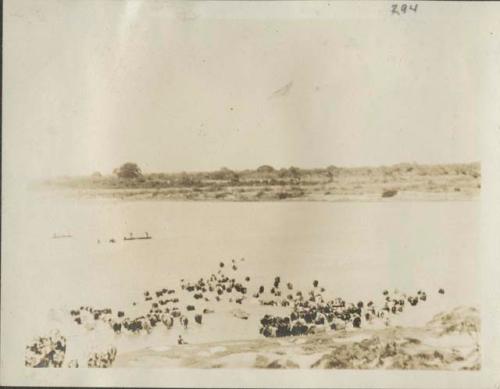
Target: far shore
[[403, 182]]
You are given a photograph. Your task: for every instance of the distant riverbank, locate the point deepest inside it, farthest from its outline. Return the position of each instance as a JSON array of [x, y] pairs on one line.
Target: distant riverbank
[[403, 182]]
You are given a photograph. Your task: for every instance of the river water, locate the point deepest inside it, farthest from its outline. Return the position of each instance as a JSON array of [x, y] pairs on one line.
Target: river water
[[354, 249]]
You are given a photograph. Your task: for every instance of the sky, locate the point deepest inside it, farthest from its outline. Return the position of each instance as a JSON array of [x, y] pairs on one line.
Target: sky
[[89, 85]]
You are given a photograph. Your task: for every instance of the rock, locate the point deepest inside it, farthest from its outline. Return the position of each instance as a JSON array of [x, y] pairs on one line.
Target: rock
[[240, 314], [283, 364], [459, 320]]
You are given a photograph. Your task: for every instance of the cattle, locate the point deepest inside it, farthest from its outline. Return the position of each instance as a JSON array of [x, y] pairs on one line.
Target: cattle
[[299, 327], [269, 331], [46, 351], [167, 320], [338, 324], [102, 359], [117, 328], [184, 321]]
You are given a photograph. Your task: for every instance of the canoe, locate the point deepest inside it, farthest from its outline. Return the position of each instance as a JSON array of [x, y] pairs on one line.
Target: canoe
[[137, 238], [61, 236]]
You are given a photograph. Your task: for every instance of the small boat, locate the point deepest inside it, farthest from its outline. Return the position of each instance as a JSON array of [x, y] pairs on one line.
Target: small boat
[[132, 237], [55, 236]]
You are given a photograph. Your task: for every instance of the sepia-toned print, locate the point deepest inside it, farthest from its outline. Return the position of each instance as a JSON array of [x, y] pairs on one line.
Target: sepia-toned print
[[252, 192], [245, 269]]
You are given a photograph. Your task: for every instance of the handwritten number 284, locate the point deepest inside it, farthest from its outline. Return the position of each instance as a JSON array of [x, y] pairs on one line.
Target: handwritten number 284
[[399, 9]]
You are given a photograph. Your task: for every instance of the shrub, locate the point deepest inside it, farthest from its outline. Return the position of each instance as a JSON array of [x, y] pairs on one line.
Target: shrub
[[389, 193]]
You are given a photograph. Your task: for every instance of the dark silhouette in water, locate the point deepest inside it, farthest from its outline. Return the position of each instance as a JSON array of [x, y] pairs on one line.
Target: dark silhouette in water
[[132, 237]]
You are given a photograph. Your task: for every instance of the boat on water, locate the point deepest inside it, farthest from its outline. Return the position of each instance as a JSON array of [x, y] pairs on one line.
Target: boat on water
[[132, 237], [56, 236]]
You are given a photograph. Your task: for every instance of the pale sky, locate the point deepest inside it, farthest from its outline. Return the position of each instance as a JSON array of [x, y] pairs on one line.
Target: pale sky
[[89, 85]]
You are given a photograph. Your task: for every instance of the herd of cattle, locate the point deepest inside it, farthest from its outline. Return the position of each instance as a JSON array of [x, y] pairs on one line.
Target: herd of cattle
[[312, 313], [309, 312], [166, 308], [46, 351]]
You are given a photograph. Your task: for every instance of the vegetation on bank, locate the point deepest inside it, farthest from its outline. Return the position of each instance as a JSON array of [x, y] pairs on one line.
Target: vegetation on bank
[[268, 183]]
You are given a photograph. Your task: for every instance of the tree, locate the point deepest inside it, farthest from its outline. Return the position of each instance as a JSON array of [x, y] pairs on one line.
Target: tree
[[223, 174], [128, 170], [283, 172], [294, 172], [265, 169]]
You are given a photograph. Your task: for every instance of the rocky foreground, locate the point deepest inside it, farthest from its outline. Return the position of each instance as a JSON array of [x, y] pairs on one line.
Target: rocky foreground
[[448, 342]]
